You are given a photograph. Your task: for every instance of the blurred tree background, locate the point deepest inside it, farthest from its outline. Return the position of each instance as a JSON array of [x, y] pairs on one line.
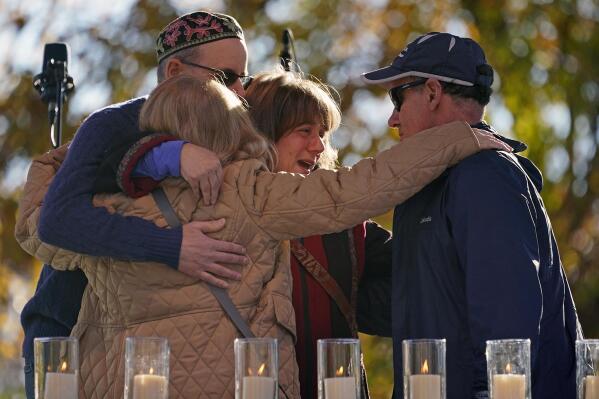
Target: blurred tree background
[[546, 94]]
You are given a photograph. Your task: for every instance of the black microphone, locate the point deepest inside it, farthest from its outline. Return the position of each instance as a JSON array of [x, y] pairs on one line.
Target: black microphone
[[54, 72], [54, 84]]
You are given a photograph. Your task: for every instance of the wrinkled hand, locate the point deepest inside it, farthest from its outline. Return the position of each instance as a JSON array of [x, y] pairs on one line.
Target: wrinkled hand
[[201, 168], [489, 142], [202, 257]]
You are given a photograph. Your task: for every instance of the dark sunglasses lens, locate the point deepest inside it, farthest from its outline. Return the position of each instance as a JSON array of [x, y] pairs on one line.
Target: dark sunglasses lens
[[225, 78], [396, 99], [229, 78]]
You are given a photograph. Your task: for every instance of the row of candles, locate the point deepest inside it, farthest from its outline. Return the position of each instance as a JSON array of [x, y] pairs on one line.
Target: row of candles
[[338, 367]]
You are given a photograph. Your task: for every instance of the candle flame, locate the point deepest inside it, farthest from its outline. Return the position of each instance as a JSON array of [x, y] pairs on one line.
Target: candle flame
[[250, 373], [339, 372], [63, 366], [508, 368], [151, 370], [261, 369], [424, 369]]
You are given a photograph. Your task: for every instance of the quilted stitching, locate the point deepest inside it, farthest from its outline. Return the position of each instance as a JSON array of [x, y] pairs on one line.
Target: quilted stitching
[[125, 299]]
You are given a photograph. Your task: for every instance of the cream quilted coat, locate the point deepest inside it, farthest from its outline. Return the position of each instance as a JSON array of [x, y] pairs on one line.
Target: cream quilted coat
[[261, 210]]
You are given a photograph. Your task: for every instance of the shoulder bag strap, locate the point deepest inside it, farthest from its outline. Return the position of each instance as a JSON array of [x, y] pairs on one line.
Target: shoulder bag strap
[[221, 295], [327, 282]]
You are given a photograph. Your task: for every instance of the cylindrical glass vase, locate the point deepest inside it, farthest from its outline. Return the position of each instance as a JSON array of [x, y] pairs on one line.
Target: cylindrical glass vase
[[256, 368], [339, 373], [508, 368], [56, 368], [146, 367], [424, 368], [587, 368]]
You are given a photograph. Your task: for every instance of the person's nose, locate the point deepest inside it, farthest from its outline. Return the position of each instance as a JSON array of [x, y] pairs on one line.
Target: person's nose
[[393, 120], [237, 87], [316, 144]]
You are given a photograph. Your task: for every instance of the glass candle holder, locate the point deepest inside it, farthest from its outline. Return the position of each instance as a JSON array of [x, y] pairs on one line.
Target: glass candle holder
[[256, 368], [146, 367], [339, 373], [587, 368], [424, 368], [508, 368], [56, 368]]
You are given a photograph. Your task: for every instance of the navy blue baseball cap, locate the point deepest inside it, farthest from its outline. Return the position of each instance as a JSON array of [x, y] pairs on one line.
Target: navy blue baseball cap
[[441, 56]]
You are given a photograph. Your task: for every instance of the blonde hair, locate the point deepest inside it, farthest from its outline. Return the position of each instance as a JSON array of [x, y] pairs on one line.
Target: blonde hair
[[206, 113], [281, 101]]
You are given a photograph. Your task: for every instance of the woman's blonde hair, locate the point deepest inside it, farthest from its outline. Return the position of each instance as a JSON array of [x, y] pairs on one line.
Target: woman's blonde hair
[[206, 113], [280, 101]]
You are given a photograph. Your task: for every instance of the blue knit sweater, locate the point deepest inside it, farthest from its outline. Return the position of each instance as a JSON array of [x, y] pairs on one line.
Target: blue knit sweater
[[70, 221]]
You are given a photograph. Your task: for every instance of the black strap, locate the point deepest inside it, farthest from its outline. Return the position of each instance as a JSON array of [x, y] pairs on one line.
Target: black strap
[[219, 293]]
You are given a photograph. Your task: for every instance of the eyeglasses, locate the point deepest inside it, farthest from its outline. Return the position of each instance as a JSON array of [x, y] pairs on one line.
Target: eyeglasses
[[396, 93], [227, 77]]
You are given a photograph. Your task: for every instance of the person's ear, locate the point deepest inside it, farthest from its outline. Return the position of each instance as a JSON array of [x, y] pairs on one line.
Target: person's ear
[[434, 91], [173, 67]]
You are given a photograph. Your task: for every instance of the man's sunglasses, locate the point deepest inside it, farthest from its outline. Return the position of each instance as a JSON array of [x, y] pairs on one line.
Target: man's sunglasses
[[227, 77], [396, 93]]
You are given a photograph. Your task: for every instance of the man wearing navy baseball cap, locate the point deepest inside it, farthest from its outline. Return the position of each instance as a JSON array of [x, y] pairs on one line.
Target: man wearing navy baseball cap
[[475, 257]]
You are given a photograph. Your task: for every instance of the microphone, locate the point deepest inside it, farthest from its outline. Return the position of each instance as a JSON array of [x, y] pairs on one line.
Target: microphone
[[54, 72], [54, 84]]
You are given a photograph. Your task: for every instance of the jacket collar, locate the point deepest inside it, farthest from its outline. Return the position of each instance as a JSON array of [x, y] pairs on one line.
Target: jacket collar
[[518, 146]]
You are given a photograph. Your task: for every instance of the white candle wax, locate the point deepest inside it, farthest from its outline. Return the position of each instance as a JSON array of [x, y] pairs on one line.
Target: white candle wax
[[61, 386], [425, 386], [150, 386], [258, 388], [340, 388], [509, 386], [591, 387]]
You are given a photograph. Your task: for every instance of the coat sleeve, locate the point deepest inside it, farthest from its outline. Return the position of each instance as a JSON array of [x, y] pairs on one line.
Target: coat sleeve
[[492, 218], [374, 292], [41, 173], [68, 218], [288, 206]]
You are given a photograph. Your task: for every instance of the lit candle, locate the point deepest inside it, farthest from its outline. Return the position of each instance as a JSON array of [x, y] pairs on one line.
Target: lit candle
[[591, 387], [509, 386], [150, 386], [425, 385], [258, 387], [61, 386], [340, 387]]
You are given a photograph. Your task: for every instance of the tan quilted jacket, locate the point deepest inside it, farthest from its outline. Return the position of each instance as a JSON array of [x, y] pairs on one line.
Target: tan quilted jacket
[[261, 210]]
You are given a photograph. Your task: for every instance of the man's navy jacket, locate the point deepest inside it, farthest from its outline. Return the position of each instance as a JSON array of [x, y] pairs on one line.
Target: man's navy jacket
[[475, 259]]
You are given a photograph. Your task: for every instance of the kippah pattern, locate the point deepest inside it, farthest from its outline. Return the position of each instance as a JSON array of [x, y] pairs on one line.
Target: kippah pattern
[[194, 29]]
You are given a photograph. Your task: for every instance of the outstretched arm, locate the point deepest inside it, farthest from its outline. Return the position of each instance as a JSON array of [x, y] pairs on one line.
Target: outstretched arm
[[69, 220], [289, 206]]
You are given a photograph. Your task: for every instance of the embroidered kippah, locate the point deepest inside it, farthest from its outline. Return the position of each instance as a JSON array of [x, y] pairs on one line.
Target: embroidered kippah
[[194, 29]]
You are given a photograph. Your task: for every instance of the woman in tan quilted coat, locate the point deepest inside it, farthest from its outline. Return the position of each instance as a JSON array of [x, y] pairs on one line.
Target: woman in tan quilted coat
[[261, 209]]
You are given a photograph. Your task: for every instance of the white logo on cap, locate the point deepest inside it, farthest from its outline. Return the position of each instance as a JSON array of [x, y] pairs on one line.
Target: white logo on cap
[[423, 38], [451, 43]]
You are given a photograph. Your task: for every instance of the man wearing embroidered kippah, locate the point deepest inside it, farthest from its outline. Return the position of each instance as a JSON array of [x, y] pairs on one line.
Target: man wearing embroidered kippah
[[203, 44], [474, 256]]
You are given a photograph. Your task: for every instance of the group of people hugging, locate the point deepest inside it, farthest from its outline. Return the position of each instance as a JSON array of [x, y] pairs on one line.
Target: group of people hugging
[[248, 167]]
